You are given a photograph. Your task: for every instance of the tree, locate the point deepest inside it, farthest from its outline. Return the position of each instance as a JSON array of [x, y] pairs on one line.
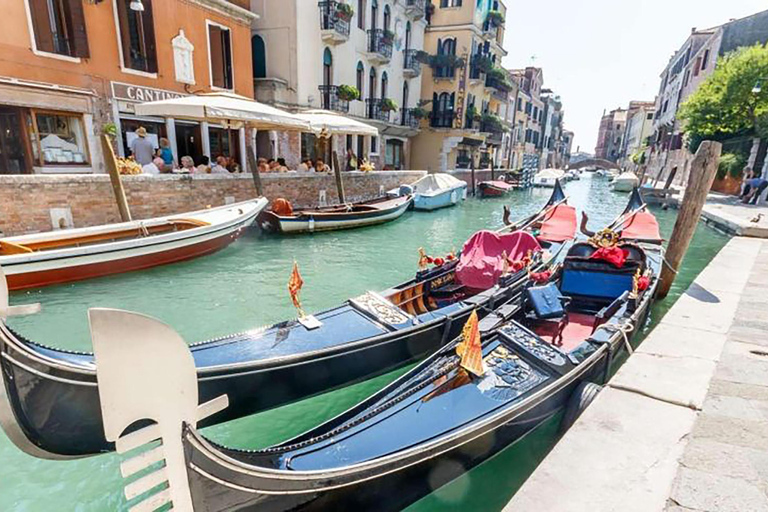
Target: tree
[[725, 104]]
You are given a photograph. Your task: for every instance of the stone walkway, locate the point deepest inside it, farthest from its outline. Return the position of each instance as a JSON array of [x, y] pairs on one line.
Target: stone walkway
[[683, 425], [735, 216], [725, 464]]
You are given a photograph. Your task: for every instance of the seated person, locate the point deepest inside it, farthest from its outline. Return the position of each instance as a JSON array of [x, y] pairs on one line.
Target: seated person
[[232, 165], [753, 189], [204, 167], [187, 164], [273, 165], [221, 165], [321, 167], [261, 164], [154, 167]]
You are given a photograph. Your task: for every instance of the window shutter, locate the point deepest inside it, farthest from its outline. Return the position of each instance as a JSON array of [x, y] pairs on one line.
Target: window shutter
[[216, 56], [125, 32], [149, 36], [41, 25], [77, 29]]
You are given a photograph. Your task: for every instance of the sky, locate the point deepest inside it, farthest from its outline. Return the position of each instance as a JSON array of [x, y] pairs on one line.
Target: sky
[[600, 54]]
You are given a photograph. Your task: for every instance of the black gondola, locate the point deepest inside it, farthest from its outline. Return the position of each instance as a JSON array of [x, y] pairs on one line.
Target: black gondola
[[418, 433], [49, 403]]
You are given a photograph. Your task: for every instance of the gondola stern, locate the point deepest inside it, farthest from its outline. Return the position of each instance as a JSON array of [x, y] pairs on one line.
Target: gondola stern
[[147, 379]]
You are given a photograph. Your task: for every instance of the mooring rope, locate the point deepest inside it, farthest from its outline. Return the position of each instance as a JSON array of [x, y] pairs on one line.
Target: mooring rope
[[624, 329]]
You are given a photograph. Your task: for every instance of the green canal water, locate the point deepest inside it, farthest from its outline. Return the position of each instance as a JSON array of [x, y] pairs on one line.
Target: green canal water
[[244, 286]]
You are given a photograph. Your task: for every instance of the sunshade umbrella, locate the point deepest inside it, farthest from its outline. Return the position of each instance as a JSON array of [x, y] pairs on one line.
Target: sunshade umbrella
[[224, 107], [331, 123]]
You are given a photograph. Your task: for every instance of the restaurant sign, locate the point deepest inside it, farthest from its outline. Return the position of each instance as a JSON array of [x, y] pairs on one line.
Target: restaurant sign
[[140, 94]]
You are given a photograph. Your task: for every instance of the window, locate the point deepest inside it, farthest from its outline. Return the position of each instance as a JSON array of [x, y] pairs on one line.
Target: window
[[393, 155], [649, 116], [372, 83], [705, 60], [374, 144], [137, 36], [360, 77], [348, 142], [361, 14], [59, 27], [327, 67], [535, 113], [519, 104], [384, 84], [360, 147], [450, 3], [528, 107], [387, 17], [258, 57], [220, 55], [58, 138], [308, 141], [697, 66]]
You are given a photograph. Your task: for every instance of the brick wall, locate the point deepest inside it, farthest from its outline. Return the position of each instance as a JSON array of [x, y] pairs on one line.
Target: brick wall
[[26, 201]]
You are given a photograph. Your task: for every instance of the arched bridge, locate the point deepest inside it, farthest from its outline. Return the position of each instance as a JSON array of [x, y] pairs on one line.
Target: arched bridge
[[600, 163]]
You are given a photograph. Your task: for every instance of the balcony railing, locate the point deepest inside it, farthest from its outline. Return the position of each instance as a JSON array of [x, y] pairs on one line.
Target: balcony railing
[[380, 43], [329, 99], [407, 117], [374, 110], [497, 83], [411, 65], [332, 22], [416, 8], [442, 119]]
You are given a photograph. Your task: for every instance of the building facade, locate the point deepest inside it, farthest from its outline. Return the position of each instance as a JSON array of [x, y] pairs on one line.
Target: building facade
[[308, 55], [638, 130], [610, 137], [72, 70], [464, 85]]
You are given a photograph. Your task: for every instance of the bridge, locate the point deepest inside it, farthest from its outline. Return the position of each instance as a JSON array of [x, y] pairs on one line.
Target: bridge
[[600, 163]]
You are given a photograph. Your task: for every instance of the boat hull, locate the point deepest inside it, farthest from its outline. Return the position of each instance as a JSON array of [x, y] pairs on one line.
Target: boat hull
[[443, 199], [491, 189], [56, 267]]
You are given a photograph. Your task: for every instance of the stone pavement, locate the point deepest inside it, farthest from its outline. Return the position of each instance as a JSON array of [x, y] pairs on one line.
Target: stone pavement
[[725, 464], [736, 217], [683, 426]]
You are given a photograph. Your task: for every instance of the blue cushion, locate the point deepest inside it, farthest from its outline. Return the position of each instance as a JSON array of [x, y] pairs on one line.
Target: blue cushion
[[601, 285], [546, 301]]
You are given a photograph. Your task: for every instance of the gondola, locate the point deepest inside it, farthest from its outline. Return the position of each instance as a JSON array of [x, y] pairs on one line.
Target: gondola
[[43, 259], [542, 352], [49, 404], [345, 216]]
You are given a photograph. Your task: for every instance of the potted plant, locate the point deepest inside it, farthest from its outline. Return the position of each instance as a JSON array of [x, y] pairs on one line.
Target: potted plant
[[420, 113], [446, 60], [495, 18], [348, 93], [388, 105], [387, 36], [422, 56], [344, 11], [483, 62]]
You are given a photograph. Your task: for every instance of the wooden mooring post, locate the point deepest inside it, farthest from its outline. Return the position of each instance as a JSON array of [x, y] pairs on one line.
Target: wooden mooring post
[[254, 165], [339, 179], [703, 170], [114, 175]]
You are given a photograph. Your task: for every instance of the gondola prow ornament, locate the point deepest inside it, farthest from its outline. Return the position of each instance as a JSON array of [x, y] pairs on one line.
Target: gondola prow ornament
[[470, 350], [294, 287]]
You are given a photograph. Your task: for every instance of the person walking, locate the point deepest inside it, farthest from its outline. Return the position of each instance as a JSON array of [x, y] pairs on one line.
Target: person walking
[[142, 149]]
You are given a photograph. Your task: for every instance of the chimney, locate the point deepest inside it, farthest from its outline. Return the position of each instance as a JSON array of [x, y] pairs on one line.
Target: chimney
[[693, 30]]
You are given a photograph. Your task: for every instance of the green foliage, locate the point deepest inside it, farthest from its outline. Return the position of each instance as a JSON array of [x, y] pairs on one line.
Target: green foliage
[[445, 61], [110, 129], [499, 78], [388, 105], [422, 56], [492, 123], [348, 93], [420, 113], [483, 62], [495, 18], [388, 36], [731, 164], [724, 105], [344, 11], [638, 157], [472, 113]]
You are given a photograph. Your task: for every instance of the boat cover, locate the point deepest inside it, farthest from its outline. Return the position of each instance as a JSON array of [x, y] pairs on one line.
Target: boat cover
[[498, 184], [550, 173], [559, 225], [481, 263], [641, 226], [435, 182]]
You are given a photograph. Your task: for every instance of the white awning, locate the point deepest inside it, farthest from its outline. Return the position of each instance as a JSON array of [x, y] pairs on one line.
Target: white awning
[[336, 124], [224, 107]]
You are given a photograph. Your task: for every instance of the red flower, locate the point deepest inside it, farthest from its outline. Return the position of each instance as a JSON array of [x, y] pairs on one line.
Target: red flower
[[541, 277], [439, 261], [430, 259], [643, 283]]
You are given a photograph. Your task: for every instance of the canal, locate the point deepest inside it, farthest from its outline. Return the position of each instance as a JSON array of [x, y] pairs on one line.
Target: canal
[[244, 286]]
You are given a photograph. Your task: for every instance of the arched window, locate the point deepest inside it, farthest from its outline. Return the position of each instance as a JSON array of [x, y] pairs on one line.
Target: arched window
[[258, 57], [405, 95], [408, 35], [360, 77], [372, 83], [384, 84], [361, 14], [374, 14], [387, 17], [327, 67]]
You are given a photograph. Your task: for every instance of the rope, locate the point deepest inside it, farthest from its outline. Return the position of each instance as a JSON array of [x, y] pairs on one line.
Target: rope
[[668, 264], [624, 329], [143, 229]]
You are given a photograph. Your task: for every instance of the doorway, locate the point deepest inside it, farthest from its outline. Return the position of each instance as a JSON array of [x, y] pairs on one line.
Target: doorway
[[13, 159], [189, 141]]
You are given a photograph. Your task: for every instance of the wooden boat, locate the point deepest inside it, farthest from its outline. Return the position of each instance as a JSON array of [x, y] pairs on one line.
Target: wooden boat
[[343, 216], [494, 188], [548, 177], [625, 182], [49, 404], [543, 352], [43, 259], [434, 191]]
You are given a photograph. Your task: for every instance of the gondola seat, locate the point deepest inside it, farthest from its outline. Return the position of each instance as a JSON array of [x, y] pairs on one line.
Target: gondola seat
[[548, 311]]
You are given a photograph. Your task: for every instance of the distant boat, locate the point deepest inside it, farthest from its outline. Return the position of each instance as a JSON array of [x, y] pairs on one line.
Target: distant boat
[[494, 188], [434, 191], [547, 177], [342, 216], [625, 182], [54, 257]]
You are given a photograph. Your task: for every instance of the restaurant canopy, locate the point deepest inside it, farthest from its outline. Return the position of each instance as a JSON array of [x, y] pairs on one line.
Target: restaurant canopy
[[224, 107], [335, 124]]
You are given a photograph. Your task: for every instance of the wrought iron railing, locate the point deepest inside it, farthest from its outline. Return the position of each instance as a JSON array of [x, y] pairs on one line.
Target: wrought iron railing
[[329, 99], [380, 42], [374, 108], [331, 19], [442, 119], [416, 8], [497, 83], [410, 62], [407, 117]]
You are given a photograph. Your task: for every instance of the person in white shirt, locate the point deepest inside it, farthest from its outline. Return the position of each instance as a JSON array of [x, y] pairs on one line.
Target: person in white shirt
[[221, 166]]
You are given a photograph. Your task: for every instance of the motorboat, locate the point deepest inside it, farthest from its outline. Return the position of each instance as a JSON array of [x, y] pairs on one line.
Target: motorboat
[[548, 177], [55, 257], [282, 218], [625, 182], [49, 400], [434, 191]]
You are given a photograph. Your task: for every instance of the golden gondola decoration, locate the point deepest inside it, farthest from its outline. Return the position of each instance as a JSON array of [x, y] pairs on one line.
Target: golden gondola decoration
[[295, 283]]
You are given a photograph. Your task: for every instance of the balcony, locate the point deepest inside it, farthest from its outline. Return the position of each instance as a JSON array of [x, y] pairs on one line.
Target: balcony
[[374, 110], [498, 83], [329, 99], [490, 31], [380, 45], [334, 22], [416, 9], [408, 118], [411, 65], [442, 119]]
